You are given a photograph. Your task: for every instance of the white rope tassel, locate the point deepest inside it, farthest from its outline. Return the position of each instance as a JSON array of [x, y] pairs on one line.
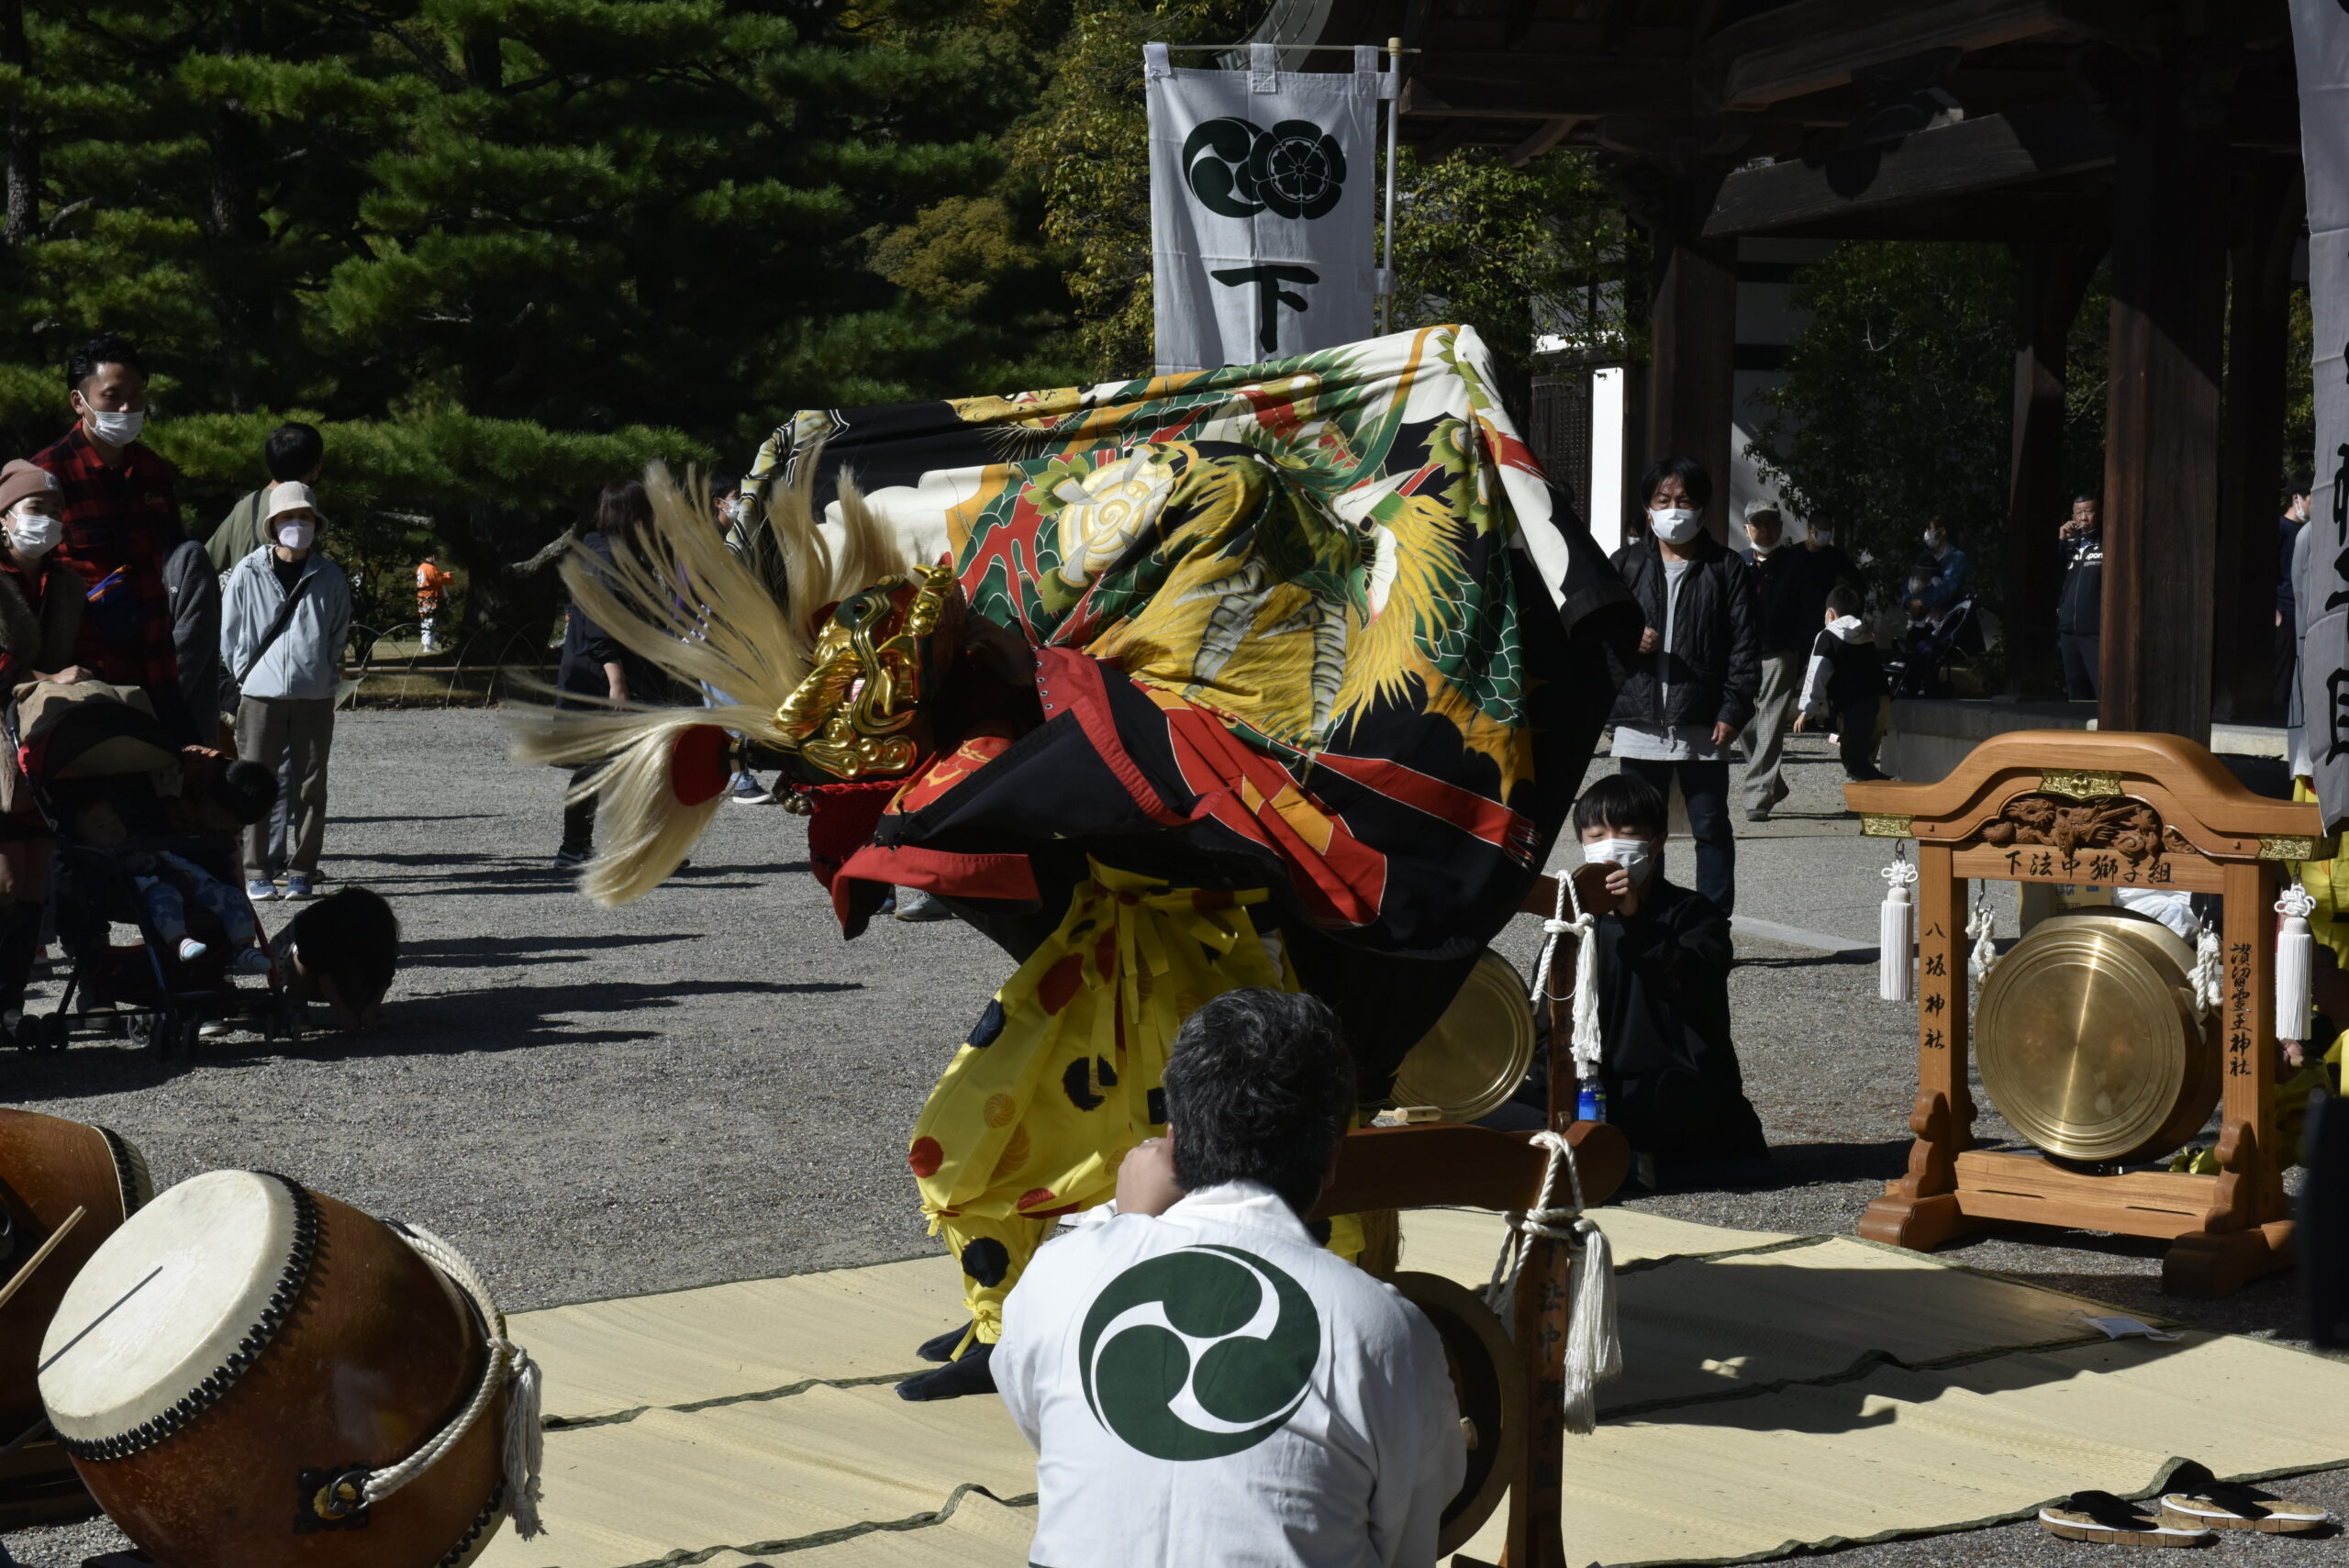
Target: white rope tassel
[[1593, 1344], [2210, 976], [1583, 928], [1895, 967], [523, 1444], [2295, 964], [1981, 938]]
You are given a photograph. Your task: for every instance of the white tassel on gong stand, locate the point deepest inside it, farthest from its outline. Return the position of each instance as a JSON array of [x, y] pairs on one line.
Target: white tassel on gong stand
[[2295, 964], [1896, 966], [2209, 976], [1981, 936]]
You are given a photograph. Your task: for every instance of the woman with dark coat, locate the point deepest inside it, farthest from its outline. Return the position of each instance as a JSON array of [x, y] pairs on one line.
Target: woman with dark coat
[[594, 668], [41, 620], [1690, 689]]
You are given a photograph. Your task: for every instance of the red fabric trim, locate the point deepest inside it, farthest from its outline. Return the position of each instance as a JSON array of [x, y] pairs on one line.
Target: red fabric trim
[[697, 764], [1465, 809], [935, 870], [1068, 681]]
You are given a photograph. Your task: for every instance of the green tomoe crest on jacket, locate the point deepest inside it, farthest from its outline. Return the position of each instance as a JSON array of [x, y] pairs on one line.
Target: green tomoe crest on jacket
[[1199, 1353]]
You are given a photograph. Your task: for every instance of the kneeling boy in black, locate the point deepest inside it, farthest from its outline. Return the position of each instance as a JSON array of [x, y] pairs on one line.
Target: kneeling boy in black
[[1845, 684], [1666, 1059]]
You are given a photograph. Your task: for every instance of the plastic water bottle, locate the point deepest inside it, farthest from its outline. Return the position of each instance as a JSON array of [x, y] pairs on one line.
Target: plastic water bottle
[[1592, 1103]]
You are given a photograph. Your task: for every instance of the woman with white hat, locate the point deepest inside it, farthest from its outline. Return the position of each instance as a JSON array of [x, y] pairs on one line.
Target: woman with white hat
[[284, 617]]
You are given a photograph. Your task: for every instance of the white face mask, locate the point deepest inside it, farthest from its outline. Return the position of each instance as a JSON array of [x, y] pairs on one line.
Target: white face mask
[[115, 429], [34, 533], [1632, 854], [1763, 551], [1933, 539], [297, 533], [1674, 525]]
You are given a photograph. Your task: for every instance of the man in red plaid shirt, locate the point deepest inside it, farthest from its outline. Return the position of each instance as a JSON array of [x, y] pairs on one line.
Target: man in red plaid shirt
[[120, 522]]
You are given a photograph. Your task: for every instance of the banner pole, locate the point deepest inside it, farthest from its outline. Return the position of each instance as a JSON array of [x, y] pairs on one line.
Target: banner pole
[[1394, 112]]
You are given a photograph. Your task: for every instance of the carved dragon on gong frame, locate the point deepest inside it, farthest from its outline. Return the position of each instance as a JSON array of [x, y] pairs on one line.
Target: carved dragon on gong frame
[[2124, 826]]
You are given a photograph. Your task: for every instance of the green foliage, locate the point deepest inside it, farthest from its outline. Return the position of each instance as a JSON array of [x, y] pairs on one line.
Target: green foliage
[[2299, 399], [1087, 152], [1544, 250], [505, 250], [1898, 404]]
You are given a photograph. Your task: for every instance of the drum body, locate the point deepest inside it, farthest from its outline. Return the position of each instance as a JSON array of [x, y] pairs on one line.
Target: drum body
[[49, 1167], [243, 1345], [2090, 1043]]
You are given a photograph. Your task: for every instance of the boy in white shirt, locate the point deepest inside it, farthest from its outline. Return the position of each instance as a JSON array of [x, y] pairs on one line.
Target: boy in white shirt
[[1202, 1382]]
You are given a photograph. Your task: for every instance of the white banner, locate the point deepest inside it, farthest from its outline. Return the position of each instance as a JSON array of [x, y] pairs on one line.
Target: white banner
[[2321, 45], [1262, 200]]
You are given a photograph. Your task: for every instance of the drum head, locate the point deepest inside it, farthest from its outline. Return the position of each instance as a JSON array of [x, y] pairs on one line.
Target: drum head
[[1489, 1383], [1478, 1052], [2088, 1041], [168, 1302]]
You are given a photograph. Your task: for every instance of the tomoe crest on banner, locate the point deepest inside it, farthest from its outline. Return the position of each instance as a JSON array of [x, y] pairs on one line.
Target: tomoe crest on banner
[[1262, 209]]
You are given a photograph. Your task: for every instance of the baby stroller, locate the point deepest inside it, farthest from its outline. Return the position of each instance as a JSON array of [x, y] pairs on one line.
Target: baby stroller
[[1920, 669], [104, 778]]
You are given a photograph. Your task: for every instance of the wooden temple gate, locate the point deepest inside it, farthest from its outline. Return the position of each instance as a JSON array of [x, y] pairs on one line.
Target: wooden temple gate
[[2163, 133]]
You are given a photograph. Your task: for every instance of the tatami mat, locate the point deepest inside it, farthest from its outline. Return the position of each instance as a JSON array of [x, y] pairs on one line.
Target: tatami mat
[[1798, 1390]]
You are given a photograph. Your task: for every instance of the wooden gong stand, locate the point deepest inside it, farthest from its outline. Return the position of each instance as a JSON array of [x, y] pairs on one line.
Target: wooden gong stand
[[1440, 1165], [2056, 805]]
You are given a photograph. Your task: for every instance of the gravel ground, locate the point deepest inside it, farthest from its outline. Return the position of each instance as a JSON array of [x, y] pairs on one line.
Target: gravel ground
[[709, 1083]]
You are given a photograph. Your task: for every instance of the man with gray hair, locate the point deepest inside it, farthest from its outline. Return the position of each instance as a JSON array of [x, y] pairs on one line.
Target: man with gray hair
[[1201, 1381], [1788, 621]]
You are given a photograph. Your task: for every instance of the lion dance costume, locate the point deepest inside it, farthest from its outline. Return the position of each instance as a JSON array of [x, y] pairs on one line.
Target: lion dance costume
[[1281, 675]]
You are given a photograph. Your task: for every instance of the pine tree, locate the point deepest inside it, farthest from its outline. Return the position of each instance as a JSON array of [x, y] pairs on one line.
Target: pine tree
[[505, 249]]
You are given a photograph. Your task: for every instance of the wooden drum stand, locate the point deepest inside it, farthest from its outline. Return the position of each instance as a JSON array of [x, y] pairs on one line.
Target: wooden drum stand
[[2119, 810], [1439, 1165]]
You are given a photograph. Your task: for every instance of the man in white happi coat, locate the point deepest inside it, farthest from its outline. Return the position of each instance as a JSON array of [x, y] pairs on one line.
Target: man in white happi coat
[[1203, 1383]]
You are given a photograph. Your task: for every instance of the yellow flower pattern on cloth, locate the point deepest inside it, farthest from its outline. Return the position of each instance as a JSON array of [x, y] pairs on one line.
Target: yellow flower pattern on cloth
[[1105, 511]]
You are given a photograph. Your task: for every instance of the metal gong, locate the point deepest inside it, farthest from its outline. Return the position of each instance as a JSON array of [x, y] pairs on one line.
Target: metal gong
[[2088, 1041], [1470, 1063]]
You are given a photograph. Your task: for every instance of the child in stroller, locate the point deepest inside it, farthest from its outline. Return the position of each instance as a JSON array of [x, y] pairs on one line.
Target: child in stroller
[[145, 836]]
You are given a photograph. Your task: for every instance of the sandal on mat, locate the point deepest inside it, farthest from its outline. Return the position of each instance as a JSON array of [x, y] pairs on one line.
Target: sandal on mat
[[2101, 1517], [2200, 1499]]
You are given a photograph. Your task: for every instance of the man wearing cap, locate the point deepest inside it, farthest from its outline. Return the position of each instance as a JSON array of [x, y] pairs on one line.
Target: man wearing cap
[[120, 521], [284, 617], [1782, 599]]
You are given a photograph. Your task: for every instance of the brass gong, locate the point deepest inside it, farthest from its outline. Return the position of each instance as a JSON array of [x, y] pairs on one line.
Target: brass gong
[[1469, 1064], [2090, 1043]]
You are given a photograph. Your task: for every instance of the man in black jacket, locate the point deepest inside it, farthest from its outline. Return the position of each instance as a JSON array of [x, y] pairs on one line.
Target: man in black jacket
[[2079, 613], [1691, 687], [1787, 613]]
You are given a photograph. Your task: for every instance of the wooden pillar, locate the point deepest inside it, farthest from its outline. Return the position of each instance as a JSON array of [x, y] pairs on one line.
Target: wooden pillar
[[2049, 281], [2251, 450], [2161, 467], [1692, 324]]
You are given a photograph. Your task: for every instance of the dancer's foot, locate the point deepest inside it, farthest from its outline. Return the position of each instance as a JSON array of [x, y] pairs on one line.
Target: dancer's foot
[[969, 1375], [942, 1348]]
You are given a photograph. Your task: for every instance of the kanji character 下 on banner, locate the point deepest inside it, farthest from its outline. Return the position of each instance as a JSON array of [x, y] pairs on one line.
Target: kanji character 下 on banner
[[1262, 203]]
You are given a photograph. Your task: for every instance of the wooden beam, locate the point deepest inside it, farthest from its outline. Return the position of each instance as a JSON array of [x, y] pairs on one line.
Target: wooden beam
[[2014, 148], [2004, 217], [1540, 142], [2251, 447], [1812, 45], [1692, 333], [1543, 87], [2161, 467]]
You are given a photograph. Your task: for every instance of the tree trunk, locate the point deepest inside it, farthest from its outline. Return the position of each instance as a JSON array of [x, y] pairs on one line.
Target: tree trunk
[[24, 135]]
